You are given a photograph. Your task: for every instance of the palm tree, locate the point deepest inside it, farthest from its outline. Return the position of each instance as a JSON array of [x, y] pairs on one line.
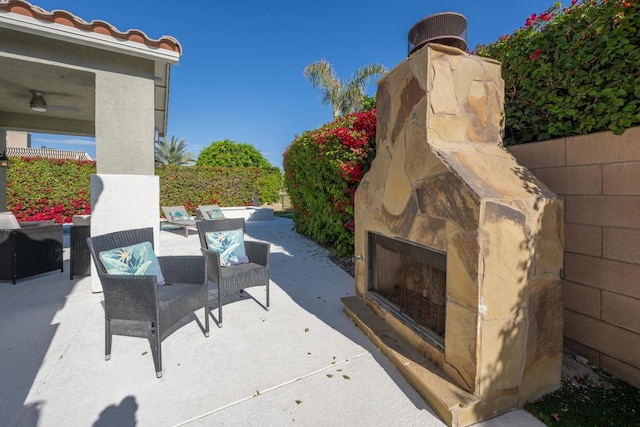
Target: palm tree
[[344, 97], [173, 152]]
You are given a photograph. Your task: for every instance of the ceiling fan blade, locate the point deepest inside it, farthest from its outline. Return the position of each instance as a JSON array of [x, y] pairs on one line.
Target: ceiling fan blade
[[63, 108]]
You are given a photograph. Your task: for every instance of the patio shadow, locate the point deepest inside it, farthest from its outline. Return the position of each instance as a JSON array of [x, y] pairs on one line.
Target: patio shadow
[[122, 415], [27, 328]]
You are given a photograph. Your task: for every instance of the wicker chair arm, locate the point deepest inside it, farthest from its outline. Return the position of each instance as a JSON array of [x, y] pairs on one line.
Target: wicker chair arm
[[183, 269], [257, 252], [212, 260]]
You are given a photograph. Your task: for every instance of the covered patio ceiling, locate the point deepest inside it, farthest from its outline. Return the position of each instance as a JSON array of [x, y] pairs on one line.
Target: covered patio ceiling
[[69, 91], [69, 94], [97, 81]]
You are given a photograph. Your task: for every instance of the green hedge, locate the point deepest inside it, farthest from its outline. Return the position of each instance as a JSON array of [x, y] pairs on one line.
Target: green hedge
[[44, 189], [191, 186], [323, 168], [571, 71]]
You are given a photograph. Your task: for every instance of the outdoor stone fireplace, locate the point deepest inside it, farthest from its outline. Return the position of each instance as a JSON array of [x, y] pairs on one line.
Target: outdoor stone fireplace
[[459, 249]]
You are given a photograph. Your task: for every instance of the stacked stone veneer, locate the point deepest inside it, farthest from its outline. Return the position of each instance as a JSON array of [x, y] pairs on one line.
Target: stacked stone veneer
[[442, 178], [598, 176]]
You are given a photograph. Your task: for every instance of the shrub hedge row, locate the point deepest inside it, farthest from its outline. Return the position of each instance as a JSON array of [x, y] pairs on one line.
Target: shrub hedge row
[[43, 189], [323, 168], [204, 185], [571, 71]]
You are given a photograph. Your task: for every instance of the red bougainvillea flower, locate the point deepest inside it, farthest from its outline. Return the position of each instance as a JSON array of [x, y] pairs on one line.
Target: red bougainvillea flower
[[535, 54], [530, 20]]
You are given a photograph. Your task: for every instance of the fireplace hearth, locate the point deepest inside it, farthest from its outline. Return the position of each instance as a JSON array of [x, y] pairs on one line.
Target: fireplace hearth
[[460, 248]]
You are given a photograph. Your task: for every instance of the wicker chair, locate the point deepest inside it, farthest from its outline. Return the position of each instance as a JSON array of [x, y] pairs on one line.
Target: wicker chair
[[236, 278], [136, 306], [34, 248]]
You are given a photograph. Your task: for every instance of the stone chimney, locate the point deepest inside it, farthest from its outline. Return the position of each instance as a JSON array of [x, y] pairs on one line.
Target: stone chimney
[[442, 182]]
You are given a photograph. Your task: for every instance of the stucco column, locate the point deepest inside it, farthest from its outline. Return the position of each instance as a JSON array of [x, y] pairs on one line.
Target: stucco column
[[125, 192], [123, 202]]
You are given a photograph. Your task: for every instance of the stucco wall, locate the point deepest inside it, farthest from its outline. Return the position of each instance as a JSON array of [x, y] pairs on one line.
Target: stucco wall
[[598, 176]]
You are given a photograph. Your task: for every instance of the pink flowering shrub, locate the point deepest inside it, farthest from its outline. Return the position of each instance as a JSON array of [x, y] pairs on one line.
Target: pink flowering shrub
[[47, 189], [322, 171], [571, 70]]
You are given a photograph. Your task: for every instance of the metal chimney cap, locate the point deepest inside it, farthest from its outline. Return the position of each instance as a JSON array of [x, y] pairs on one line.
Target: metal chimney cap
[[447, 28]]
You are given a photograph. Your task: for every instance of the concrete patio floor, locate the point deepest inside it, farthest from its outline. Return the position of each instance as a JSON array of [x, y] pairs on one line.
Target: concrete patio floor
[[302, 363]]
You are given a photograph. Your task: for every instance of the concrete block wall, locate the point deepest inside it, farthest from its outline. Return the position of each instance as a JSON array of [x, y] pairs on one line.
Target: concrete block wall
[[598, 176]]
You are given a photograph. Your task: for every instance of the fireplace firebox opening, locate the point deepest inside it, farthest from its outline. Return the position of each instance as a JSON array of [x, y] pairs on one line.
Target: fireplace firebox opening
[[410, 281]]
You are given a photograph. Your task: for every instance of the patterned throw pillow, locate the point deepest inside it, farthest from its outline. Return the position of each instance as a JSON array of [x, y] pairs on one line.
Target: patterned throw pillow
[[179, 216], [135, 260], [229, 244], [215, 213]]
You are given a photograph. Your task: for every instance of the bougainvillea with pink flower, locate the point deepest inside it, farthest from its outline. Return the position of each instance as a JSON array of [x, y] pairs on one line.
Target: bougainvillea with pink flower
[[49, 189], [571, 70], [322, 169]]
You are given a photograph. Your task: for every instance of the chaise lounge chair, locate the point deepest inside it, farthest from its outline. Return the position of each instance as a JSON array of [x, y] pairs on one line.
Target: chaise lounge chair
[[178, 216], [207, 212]]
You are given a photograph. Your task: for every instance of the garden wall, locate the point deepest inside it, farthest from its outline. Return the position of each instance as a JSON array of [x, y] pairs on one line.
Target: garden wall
[[598, 176]]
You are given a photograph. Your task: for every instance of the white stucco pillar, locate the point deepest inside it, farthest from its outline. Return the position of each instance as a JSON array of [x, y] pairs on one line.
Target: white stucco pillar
[[123, 202], [125, 192]]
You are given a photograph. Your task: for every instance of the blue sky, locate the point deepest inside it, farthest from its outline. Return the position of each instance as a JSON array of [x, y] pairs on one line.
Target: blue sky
[[241, 73]]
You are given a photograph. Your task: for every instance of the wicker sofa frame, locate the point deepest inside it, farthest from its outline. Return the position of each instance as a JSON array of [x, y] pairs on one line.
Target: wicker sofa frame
[[136, 306], [233, 279], [34, 248]]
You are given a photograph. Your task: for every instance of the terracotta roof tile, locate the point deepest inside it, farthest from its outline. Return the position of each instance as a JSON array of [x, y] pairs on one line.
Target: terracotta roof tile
[[63, 17]]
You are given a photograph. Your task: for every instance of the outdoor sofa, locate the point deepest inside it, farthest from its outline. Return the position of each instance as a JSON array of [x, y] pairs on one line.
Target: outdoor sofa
[[29, 248]]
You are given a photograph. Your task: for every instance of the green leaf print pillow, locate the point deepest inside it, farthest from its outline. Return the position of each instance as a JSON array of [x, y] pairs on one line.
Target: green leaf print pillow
[[229, 244]]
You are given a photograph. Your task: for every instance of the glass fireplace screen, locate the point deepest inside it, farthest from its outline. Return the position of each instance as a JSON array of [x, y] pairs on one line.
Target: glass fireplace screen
[[411, 278]]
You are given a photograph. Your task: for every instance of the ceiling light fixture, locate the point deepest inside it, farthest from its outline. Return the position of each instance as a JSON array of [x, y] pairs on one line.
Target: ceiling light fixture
[[37, 102]]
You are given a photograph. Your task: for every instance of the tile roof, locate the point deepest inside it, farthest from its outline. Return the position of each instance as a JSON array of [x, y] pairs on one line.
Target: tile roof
[[63, 17], [47, 153]]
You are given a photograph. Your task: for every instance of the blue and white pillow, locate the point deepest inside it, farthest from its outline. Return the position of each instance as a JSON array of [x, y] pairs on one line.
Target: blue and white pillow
[[229, 244], [215, 213], [135, 260], [179, 216]]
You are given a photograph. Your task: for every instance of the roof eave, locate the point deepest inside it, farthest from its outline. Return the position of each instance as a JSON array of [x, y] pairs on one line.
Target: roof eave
[[74, 35]]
